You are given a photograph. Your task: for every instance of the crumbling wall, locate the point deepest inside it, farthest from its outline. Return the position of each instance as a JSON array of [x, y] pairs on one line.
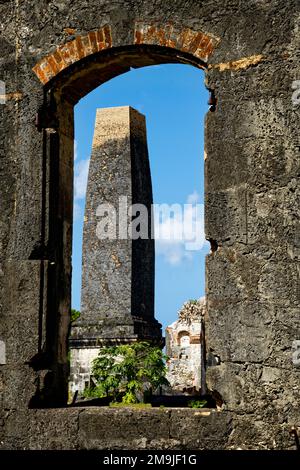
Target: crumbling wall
[[251, 198], [185, 349], [251, 53]]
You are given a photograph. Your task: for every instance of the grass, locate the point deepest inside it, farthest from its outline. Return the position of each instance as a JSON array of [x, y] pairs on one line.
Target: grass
[[131, 405]]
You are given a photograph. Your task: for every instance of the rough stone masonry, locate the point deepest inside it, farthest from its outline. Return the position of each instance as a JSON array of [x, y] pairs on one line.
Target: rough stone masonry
[[117, 295], [52, 54]]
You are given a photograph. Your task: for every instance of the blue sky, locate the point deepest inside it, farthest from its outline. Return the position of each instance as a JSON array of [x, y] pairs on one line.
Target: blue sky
[[174, 100]]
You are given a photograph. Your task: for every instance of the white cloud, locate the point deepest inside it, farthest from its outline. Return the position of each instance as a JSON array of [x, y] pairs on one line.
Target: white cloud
[[179, 230], [75, 150], [76, 211], [172, 251], [81, 171]]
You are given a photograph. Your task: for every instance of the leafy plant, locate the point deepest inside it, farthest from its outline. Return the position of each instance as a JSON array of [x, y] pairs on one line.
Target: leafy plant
[[126, 372], [197, 403], [74, 314]]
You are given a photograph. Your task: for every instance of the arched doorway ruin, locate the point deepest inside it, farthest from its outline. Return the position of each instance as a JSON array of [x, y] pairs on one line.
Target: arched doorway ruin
[[251, 218], [68, 74]]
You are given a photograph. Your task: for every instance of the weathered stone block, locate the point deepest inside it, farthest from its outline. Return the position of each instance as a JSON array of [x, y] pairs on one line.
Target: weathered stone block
[[230, 380], [253, 435], [272, 218], [20, 385], [251, 388], [55, 429], [233, 157], [252, 119], [21, 282], [13, 328], [242, 332], [232, 276], [108, 428], [280, 283], [226, 216], [254, 332], [200, 429]]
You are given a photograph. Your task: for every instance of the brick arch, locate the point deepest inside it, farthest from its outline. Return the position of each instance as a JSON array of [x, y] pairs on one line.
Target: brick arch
[[199, 44]]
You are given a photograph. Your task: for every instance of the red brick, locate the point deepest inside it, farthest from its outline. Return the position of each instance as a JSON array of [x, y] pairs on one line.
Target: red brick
[[46, 69], [79, 47], [138, 37], [59, 60], [195, 42], [100, 40], [107, 35], [68, 52], [40, 74], [93, 41], [209, 48], [187, 40], [86, 45], [53, 64]]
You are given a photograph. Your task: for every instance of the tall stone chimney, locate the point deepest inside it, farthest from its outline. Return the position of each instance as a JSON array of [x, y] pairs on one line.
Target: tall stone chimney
[[117, 296]]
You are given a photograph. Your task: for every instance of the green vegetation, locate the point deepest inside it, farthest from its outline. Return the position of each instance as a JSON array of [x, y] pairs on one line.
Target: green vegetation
[[74, 315], [197, 403], [127, 373], [131, 405]]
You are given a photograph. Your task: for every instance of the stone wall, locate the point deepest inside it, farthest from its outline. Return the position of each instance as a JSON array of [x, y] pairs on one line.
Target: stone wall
[[108, 428], [250, 51]]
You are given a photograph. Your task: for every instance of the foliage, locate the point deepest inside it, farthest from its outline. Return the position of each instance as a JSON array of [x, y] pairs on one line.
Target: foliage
[[74, 315], [197, 403], [132, 405], [125, 372]]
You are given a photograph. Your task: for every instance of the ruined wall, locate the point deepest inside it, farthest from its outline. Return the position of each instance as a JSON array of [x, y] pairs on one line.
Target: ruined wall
[[185, 349], [251, 53]]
